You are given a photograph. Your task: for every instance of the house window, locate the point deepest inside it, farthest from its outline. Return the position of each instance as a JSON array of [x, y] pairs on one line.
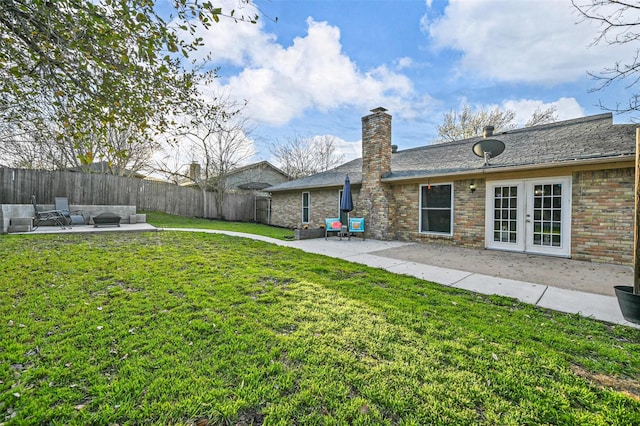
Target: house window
[[305, 207], [436, 209]]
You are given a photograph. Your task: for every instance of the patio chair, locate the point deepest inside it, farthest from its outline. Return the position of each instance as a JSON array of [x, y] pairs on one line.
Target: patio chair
[[73, 217], [332, 224], [55, 216], [356, 226]]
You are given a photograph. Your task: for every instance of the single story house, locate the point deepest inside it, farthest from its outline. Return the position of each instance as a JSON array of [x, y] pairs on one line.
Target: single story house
[[561, 189], [255, 177], [252, 178]]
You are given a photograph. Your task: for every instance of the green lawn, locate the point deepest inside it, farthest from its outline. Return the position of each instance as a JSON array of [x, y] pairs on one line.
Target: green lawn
[[163, 220], [178, 328]]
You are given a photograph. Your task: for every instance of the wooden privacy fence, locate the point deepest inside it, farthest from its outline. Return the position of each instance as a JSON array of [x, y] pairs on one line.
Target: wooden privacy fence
[[17, 186]]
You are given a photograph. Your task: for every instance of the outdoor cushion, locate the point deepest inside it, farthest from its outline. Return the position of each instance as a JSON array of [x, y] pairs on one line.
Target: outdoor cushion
[[356, 225], [332, 224]]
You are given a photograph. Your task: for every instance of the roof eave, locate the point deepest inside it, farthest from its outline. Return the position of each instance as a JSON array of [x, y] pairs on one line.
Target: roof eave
[[309, 187], [494, 170]]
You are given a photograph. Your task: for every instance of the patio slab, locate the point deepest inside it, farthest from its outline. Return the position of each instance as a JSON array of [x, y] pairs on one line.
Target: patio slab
[[485, 284], [597, 306], [125, 227], [432, 273]]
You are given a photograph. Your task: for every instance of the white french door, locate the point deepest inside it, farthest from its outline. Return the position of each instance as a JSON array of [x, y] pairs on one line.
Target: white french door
[[531, 215]]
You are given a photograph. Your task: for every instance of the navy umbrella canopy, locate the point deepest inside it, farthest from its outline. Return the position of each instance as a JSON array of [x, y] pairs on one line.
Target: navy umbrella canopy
[[346, 203]]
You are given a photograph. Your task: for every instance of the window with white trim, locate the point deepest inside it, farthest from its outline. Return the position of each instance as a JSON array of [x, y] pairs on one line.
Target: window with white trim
[[306, 202], [436, 209]]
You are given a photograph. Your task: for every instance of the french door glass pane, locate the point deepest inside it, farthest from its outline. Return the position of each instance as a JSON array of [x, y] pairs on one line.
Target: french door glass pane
[[547, 215], [505, 204]]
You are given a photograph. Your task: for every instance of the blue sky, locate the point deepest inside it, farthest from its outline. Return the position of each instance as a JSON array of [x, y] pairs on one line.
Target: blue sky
[[325, 63]]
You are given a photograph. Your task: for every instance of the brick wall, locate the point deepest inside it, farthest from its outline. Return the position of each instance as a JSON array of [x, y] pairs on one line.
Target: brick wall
[[469, 210], [468, 213], [376, 162], [286, 208], [603, 211], [602, 214]]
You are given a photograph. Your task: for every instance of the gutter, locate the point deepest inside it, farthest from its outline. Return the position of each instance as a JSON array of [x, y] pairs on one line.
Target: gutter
[[507, 169], [298, 188]]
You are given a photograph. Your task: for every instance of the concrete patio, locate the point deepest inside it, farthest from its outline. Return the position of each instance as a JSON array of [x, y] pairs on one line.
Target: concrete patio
[[124, 227]]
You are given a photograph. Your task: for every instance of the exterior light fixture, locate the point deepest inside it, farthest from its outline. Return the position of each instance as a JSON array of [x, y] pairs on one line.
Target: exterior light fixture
[[472, 187]]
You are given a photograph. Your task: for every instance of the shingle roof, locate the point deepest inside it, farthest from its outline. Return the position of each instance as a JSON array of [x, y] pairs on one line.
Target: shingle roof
[[334, 177], [256, 165], [593, 138]]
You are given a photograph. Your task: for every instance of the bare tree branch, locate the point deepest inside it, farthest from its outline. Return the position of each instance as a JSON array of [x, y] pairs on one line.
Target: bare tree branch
[[303, 156], [619, 23]]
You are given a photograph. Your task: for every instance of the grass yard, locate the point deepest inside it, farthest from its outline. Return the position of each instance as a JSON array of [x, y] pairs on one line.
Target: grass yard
[[163, 220], [180, 328]]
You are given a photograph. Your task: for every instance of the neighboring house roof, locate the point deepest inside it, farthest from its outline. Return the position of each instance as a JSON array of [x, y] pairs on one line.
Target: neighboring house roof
[[257, 165], [589, 139], [246, 182]]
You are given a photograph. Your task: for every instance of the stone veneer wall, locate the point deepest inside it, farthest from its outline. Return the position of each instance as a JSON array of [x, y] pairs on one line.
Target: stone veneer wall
[[603, 212], [468, 213], [286, 207]]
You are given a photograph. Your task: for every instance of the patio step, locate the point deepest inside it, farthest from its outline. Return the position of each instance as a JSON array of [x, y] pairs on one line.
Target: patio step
[[20, 224]]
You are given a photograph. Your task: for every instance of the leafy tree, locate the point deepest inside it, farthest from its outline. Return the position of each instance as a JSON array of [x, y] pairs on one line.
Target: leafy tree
[[304, 156], [100, 65], [619, 25], [467, 123]]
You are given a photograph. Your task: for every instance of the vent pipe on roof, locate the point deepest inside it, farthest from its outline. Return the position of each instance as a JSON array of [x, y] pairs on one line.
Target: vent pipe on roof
[[394, 149], [487, 131]]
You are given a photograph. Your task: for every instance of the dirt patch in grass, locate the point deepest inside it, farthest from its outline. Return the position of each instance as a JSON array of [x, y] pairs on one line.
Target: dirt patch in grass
[[624, 385]]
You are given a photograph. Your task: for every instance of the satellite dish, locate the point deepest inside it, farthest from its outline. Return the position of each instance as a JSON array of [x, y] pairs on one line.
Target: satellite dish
[[488, 148]]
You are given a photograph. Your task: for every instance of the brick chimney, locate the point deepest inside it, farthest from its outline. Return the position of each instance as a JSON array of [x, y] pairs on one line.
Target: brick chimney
[[194, 171], [376, 163]]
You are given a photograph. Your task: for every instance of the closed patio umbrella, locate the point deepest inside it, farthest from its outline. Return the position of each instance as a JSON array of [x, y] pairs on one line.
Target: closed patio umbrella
[[346, 203]]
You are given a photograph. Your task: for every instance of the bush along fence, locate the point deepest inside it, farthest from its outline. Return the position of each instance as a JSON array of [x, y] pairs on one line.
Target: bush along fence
[[17, 186]]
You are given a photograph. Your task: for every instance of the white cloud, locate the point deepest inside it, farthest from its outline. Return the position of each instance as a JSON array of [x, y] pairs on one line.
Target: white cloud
[[566, 108], [403, 63], [281, 83], [231, 42], [533, 41]]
